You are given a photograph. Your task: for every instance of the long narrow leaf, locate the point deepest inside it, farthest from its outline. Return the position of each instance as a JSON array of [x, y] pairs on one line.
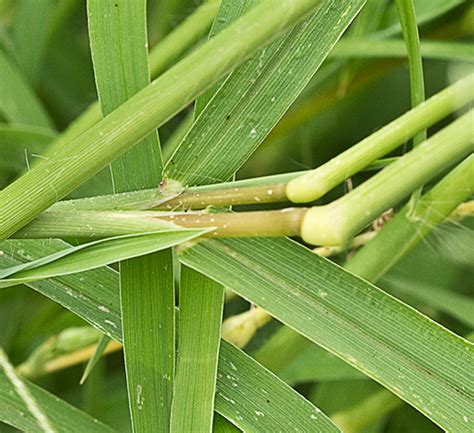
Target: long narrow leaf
[[94, 296], [92, 255], [256, 96], [94, 291], [118, 36], [200, 314], [86, 155], [417, 359], [229, 11], [257, 401], [28, 407]]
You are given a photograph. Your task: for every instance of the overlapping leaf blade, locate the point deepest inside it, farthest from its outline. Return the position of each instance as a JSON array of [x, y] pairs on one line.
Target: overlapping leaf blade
[[59, 415], [201, 303], [118, 36], [415, 358], [253, 99], [92, 255], [94, 296]]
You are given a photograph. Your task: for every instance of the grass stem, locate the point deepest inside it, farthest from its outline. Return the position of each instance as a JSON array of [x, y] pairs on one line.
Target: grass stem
[[337, 222], [83, 157], [318, 182], [407, 16]]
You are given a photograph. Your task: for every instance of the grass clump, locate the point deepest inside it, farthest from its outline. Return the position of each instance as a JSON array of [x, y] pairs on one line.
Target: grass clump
[[147, 278]]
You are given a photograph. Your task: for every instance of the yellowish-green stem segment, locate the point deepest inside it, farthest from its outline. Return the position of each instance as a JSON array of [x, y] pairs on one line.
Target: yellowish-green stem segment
[[337, 222], [318, 182]]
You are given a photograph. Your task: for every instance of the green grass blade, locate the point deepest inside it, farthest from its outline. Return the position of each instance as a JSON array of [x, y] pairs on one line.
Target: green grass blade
[[28, 407], [229, 11], [93, 255], [264, 403], [18, 103], [370, 330], [201, 307], [201, 303], [30, 35], [101, 346], [256, 96], [118, 46], [395, 48], [407, 14], [118, 36], [86, 155], [94, 296], [94, 293], [147, 303]]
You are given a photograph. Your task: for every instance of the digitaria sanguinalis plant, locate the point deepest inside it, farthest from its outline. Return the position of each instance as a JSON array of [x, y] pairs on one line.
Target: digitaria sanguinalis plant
[[191, 233]]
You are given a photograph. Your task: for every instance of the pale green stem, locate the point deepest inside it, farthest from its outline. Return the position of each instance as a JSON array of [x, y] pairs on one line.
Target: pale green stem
[[392, 243], [241, 328], [318, 182], [171, 196], [69, 340], [67, 360], [285, 222], [102, 224], [83, 157], [162, 56], [337, 222], [401, 234]]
